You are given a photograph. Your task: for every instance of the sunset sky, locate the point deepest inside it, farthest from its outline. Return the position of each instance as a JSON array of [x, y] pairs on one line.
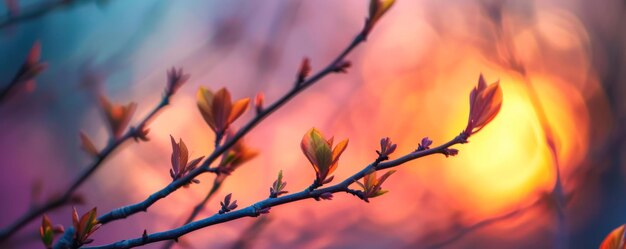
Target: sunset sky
[[562, 60]]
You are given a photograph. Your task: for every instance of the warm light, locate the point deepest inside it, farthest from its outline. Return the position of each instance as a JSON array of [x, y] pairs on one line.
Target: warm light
[[506, 163], [411, 80]]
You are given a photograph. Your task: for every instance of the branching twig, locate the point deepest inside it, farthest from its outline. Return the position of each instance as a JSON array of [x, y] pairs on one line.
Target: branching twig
[[4, 92], [217, 183], [332, 67], [31, 67], [36, 212], [256, 209], [556, 193]]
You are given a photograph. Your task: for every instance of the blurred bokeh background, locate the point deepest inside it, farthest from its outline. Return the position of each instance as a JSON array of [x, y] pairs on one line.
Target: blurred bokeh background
[[561, 64]]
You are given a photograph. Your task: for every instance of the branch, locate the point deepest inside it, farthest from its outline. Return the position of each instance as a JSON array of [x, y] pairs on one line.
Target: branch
[[258, 208], [217, 183], [15, 82], [335, 66], [68, 195], [30, 68]]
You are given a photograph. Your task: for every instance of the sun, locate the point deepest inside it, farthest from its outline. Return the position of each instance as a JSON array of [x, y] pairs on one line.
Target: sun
[[508, 163]]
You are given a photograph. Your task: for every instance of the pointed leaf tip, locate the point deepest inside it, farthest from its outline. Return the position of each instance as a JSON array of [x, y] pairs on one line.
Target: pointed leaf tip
[[615, 239], [322, 157], [87, 145]]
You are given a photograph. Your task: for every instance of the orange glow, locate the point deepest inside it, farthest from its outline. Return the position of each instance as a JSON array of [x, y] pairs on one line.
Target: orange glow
[[509, 163], [409, 81]]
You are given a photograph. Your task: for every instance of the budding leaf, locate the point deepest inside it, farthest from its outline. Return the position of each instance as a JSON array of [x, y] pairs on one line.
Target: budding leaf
[[278, 186], [117, 116], [180, 161], [320, 153], [305, 70], [377, 9], [218, 110], [372, 186], [175, 79], [485, 104], [85, 226], [46, 231], [237, 155], [258, 102]]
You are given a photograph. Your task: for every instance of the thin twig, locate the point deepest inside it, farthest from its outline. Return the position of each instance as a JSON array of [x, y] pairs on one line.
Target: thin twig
[[256, 209], [485, 223], [4, 93], [557, 191], [217, 183], [68, 195], [250, 235], [126, 211], [30, 68]]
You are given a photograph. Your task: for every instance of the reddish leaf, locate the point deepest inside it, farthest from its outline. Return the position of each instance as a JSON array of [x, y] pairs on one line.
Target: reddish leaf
[[204, 99], [615, 239], [239, 107], [372, 186], [117, 116], [46, 231], [86, 226], [87, 145], [218, 110], [237, 155], [305, 70], [320, 153], [485, 103], [258, 102], [30, 68], [222, 105]]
